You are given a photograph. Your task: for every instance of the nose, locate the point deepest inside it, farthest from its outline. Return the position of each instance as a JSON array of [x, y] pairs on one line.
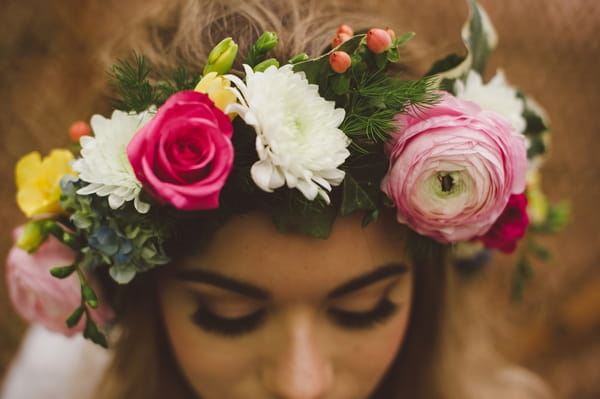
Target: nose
[[299, 367]]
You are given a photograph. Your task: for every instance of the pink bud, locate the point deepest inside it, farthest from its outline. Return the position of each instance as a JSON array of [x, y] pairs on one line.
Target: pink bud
[[378, 40], [340, 61], [345, 29], [339, 39]]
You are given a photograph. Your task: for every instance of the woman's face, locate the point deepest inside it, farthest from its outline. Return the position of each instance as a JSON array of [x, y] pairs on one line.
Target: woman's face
[[260, 314]]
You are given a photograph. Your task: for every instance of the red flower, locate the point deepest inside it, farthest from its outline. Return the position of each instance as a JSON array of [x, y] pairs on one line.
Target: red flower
[[184, 154], [510, 226]]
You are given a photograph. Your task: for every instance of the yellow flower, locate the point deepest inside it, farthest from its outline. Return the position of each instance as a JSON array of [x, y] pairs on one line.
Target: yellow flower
[[537, 204], [38, 188], [217, 88]]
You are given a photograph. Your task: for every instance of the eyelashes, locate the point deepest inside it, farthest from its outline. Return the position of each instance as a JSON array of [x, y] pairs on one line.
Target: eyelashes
[[364, 320], [234, 327], [229, 327]]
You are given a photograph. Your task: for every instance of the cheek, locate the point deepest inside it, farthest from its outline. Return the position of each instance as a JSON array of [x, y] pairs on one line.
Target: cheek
[[213, 366], [368, 356]]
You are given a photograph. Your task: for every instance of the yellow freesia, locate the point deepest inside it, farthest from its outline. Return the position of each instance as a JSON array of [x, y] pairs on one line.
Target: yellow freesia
[[537, 204], [38, 179], [217, 88]]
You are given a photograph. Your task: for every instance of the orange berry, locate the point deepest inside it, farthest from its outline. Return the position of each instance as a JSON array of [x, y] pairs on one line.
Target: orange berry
[[391, 33], [345, 29], [340, 61], [339, 39], [78, 130], [378, 40]]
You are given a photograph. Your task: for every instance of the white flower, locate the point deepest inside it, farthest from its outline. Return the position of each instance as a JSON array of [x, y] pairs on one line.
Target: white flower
[[497, 96], [104, 163], [297, 136]]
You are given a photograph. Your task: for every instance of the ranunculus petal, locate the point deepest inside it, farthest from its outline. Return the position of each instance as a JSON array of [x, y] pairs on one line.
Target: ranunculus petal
[[453, 168], [41, 298]]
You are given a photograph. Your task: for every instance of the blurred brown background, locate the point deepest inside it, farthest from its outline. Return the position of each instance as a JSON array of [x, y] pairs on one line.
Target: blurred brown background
[[548, 48]]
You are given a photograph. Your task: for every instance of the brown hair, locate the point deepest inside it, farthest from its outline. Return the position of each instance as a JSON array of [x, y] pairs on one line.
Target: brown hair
[[444, 355]]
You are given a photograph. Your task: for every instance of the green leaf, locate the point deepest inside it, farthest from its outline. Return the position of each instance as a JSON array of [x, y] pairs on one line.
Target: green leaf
[[89, 296], [557, 218], [354, 197], [92, 333], [381, 60], [340, 84], [400, 40], [370, 217], [445, 64], [298, 215], [393, 55], [75, 316], [540, 252], [522, 276], [63, 271], [479, 38]]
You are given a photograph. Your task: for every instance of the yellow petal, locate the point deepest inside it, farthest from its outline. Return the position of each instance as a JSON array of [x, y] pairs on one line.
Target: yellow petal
[[27, 168], [205, 83]]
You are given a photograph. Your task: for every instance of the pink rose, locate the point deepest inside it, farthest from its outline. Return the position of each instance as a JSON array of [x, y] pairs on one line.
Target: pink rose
[[41, 298], [510, 227], [184, 154], [453, 168]]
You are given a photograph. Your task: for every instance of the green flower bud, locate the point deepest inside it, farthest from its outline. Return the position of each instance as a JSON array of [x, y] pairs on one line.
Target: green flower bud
[[298, 58], [265, 64], [221, 57], [266, 42], [32, 236]]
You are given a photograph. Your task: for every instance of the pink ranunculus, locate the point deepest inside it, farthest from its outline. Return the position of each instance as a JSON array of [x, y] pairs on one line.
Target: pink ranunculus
[[184, 154], [510, 226], [42, 298], [453, 168]]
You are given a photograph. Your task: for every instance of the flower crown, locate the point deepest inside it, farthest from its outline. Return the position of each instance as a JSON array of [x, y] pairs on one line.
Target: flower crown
[[305, 141]]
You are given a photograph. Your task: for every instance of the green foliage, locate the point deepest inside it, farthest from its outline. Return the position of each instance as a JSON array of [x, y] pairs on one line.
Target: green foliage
[[447, 63], [259, 50], [63, 271], [132, 85], [477, 38], [134, 89], [176, 80], [294, 213], [522, 276], [121, 238], [557, 218]]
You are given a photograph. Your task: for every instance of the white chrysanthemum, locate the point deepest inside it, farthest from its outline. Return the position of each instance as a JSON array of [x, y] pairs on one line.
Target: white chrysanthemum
[[497, 96], [104, 163], [298, 140]]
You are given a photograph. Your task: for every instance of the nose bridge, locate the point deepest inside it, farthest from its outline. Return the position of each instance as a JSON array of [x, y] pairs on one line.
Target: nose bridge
[[299, 366]]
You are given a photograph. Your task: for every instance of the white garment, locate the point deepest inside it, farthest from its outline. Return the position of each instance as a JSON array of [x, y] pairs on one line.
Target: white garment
[[50, 365]]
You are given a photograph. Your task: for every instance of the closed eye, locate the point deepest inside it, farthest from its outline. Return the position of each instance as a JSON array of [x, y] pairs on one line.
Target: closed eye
[[383, 311], [229, 327]]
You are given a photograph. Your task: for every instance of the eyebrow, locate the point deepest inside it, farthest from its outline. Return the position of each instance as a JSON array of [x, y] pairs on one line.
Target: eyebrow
[[381, 273], [240, 287], [228, 283]]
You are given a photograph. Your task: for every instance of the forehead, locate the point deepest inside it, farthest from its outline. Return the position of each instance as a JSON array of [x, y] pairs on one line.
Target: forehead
[[250, 248]]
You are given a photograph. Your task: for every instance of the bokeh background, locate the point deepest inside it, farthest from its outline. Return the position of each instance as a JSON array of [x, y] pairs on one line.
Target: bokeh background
[[548, 48]]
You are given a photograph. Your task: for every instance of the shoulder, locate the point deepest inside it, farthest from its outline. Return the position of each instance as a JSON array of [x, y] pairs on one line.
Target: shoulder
[[52, 365]]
